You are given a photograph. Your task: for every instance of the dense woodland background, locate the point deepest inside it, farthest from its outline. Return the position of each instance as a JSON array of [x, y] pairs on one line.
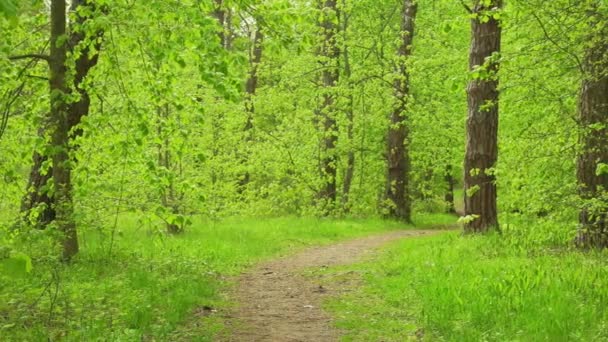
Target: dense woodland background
[[163, 116]]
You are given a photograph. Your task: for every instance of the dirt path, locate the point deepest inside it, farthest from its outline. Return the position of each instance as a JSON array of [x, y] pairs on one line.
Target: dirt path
[[278, 303]]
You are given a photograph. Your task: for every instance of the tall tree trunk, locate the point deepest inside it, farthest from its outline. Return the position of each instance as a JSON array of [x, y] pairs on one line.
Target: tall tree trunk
[[60, 132], [350, 117], [593, 119], [397, 154], [250, 90], [482, 121], [326, 116], [37, 196], [220, 13]]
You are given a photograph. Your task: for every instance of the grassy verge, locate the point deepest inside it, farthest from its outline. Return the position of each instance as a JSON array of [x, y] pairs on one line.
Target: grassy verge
[[136, 284], [488, 288]]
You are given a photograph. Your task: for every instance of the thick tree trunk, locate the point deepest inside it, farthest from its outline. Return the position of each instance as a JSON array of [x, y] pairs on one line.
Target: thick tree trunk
[[593, 119], [397, 154], [60, 132], [36, 194], [326, 116], [482, 121], [250, 90]]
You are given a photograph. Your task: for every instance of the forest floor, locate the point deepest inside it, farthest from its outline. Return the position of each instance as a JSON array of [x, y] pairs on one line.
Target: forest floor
[[279, 300]]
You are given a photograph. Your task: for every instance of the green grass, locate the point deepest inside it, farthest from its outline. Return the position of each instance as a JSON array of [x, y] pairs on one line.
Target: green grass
[[151, 283], [480, 288]]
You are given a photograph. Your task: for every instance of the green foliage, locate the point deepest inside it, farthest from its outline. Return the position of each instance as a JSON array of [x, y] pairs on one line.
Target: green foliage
[[496, 288], [165, 144], [133, 283], [8, 8]]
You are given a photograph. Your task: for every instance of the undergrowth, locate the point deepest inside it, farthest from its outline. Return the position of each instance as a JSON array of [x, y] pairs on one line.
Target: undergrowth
[[521, 285], [133, 284]]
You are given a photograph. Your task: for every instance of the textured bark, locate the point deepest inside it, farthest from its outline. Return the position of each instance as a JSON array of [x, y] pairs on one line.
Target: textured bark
[[250, 90], [64, 207], [328, 58], [593, 119], [36, 194], [397, 154], [482, 121], [350, 117]]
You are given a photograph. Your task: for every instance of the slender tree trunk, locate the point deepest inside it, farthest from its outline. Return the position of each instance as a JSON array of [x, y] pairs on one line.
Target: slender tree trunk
[[449, 193], [593, 119], [37, 195], [224, 18], [397, 154], [168, 196], [84, 63], [326, 116], [220, 13], [482, 122], [250, 90], [350, 117]]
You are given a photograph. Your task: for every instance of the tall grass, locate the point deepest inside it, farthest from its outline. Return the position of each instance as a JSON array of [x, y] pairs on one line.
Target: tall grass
[[509, 287], [132, 283]]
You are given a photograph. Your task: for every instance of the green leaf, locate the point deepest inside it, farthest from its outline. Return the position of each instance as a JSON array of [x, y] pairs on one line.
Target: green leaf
[[602, 169], [17, 265]]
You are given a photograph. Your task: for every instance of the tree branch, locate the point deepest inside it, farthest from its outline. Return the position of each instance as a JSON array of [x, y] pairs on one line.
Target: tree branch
[[466, 7], [565, 50], [30, 55]]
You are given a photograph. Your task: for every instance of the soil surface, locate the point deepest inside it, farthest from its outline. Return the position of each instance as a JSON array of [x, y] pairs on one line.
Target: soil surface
[[277, 302]]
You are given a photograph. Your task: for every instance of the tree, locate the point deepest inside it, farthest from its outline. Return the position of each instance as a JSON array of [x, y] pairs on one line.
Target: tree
[[60, 129], [328, 54], [482, 121], [349, 171], [397, 154], [85, 48], [251, 86], [66, 113], [592, 163]]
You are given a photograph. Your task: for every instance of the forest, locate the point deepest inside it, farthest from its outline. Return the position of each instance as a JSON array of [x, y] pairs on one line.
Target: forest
[[304, 170]]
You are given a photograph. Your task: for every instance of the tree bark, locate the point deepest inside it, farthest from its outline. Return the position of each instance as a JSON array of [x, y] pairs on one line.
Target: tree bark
[[482, 121], [350, 117], [328, 54], [250, 90], [593, 120], [64, 207], [397, 154]]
